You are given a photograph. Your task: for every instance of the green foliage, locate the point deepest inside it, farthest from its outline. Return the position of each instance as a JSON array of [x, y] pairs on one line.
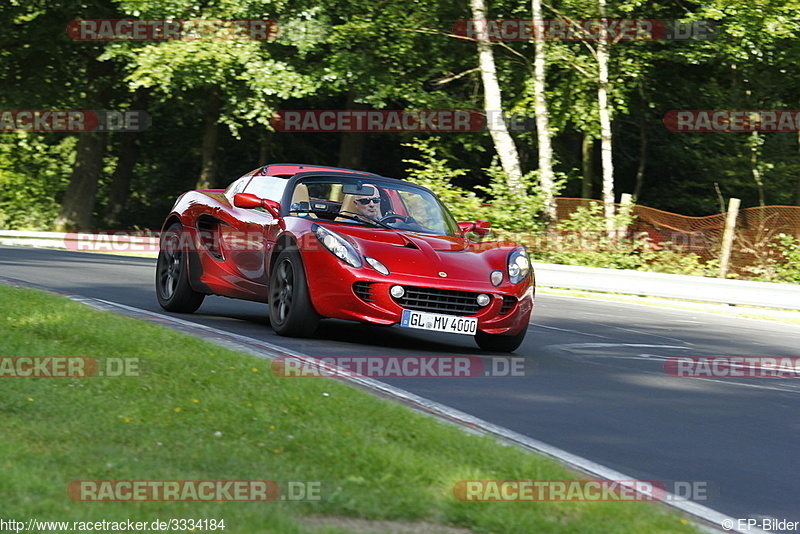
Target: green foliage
[[779, 262], [508, 212], [33, 175], [432, 171], [582, 240], [789, 269], [512, 212], [403, 56], [674, 260]]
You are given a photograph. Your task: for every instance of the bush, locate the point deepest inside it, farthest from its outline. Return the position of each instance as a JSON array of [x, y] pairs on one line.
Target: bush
[[33, 175], [787, 268], [583, 240]]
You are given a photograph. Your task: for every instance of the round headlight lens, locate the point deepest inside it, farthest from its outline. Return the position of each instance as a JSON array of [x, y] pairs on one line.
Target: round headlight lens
[[337, 245], [483, 299], [519, 266]]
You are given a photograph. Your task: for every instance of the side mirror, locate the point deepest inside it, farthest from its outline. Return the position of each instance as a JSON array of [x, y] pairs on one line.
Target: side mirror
[[482, 228], [246, 200], [250, 201]]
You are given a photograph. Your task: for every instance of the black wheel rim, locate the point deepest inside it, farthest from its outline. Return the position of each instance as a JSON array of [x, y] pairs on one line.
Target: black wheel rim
[[283, 292], [169, 271]]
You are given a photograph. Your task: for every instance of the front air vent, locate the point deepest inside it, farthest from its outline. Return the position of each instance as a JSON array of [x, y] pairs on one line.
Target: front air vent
[[508, 304], [363, 290]]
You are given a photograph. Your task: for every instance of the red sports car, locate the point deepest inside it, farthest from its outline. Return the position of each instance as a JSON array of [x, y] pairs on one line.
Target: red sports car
[[316, 242]]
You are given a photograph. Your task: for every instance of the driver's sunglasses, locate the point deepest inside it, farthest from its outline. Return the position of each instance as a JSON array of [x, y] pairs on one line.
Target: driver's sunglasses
[[365, 201]]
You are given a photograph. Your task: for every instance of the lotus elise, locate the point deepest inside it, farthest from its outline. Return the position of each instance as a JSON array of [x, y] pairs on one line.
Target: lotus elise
[[317, 242]]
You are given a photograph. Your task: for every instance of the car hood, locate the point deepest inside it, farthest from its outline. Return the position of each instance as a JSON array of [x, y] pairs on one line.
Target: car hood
[[429, 255]]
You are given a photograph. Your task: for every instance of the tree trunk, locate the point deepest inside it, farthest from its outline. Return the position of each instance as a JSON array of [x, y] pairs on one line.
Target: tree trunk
[[493, 105], [263, 149], [587, 165], [637, 188], [543, 122], [208, 169], [78, 204], [605, 123], [351, 147], [755, 144], [119, 191], [797, 186], [79, 199]]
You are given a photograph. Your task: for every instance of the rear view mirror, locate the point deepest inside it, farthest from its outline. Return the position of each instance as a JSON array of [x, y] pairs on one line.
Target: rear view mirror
[[359, 189]]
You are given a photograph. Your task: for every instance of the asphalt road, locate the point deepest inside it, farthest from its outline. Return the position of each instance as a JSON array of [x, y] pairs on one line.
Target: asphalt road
[[594, 382]]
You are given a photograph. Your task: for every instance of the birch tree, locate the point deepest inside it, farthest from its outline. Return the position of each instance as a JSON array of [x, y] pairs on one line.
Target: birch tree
[[493, 104], [606, 144], [543, 119]]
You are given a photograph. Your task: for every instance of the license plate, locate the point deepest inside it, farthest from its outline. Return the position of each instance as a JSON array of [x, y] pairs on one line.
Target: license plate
[[439, 323]]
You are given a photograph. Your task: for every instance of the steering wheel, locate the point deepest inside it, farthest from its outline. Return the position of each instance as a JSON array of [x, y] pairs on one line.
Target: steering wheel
[[394, 216]]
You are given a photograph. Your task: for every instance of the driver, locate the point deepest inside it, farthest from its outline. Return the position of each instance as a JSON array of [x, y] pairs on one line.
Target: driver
[[368, 207]]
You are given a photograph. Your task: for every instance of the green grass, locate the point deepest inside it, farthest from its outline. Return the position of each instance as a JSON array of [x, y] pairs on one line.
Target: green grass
[[201, 412]]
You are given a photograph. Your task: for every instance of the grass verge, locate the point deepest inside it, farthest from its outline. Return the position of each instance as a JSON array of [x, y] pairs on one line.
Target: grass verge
[[201, 412]]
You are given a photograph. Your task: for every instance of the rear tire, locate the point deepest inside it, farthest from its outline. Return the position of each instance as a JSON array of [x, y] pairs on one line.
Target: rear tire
[[173, 290], [499, 342], [290, 311]]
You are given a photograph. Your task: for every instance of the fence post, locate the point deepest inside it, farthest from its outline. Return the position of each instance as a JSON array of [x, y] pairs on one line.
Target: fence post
[[625, 201], [727, 236]]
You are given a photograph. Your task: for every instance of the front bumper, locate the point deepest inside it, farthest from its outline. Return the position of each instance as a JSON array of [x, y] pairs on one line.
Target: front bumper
[[342, 292]]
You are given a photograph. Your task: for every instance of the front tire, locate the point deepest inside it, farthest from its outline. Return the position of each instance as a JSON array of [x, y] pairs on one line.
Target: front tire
[[290, 311], [173, 290], [499, 342]]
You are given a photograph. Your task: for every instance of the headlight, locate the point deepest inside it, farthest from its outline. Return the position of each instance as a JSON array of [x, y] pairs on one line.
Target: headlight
[[337, 245], [519, 266]]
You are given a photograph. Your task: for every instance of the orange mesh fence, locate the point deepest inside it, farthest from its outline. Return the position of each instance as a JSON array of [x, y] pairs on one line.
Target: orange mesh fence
[[756, 230]]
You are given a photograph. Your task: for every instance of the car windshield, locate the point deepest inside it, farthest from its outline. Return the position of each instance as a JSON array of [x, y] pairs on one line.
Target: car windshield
[[369, 202]]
